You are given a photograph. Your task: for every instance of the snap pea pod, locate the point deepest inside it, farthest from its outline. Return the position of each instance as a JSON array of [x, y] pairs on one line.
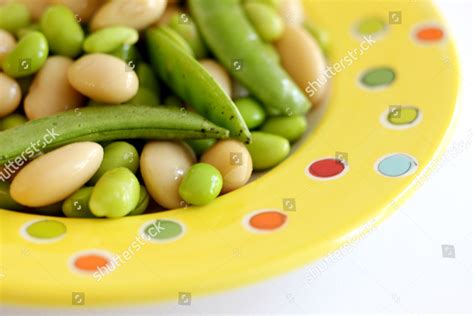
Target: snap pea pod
[[193, 83], [104, 123], [234, 41]]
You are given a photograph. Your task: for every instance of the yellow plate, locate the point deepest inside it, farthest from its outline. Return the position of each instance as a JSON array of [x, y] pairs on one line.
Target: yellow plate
[[349, 174]]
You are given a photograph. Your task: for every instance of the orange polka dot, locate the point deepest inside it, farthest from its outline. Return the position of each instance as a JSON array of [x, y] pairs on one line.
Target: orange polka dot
[[268, 220], [430, 34], [90, 262]]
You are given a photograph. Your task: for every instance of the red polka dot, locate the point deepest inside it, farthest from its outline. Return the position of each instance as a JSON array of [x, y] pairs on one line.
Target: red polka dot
[[430, 34], [267, 220], [326, 168], [90, 262]]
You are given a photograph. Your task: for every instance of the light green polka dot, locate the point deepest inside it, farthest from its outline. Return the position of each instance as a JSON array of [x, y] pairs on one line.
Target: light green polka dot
[[46, 229], [403, 116], [371, 26], [378, 77], [163, 230]]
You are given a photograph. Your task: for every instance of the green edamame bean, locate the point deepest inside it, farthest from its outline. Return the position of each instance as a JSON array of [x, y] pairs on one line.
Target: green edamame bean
[[183, 24], [225, 27], [320, 35], [188, 79], [201, 184], [104, 123], [145, 97], [290, 127], [77, 205], [28, 56], [109, 39], [11, 121], [6, 201], [14, 16], [267, 150], [252, 112], [143, 202], [64, 33], [265, 20], [199, 146], [116, 194], [147, 79], [117, 154]]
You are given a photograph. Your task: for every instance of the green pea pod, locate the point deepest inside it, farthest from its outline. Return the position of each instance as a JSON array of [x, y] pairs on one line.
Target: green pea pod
[[233, 40], [64, 33], [103, 123], [27, 57], [176, 38], [193, 83]]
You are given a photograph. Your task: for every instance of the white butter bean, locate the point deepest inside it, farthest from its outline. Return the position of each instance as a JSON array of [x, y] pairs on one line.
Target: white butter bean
[[163, 165], [54, 176], [103, 78], [10, 93], [233, 161], [138, 14], [7, 44], [42, 100], [219, 74], [304, 60], [292, 12]]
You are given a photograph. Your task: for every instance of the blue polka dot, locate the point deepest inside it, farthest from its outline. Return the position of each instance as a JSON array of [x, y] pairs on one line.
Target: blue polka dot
[[396, 165]]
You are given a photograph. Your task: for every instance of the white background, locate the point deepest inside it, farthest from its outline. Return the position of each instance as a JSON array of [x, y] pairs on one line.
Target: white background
[[398, 267]]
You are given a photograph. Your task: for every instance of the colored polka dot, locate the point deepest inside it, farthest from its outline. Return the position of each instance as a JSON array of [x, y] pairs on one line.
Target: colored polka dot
[[46, 229], [430, 34], [267, 220], [326, 168], [378, 77], [371, 26], [396, 165], [403, 115], [163, 230], [90, 262]]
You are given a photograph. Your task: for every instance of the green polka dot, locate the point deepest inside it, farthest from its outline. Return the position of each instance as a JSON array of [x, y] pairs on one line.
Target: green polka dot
[[371, 26], [163, 230], [46, 229], [378, 77], [403, 116]]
